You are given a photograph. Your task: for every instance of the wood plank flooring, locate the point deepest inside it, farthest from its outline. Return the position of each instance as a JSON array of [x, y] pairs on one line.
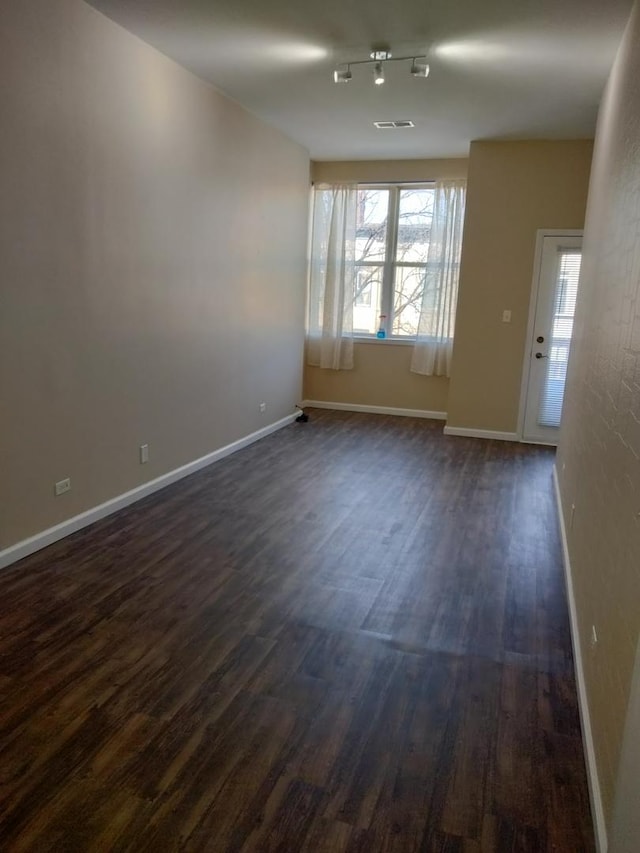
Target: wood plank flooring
[[351, 636]]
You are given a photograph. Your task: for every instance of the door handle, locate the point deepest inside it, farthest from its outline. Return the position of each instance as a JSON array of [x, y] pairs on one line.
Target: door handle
[[539, 355]]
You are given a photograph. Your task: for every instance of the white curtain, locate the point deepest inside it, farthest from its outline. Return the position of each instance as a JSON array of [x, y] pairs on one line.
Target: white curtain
[[434, 342], [331, 285]]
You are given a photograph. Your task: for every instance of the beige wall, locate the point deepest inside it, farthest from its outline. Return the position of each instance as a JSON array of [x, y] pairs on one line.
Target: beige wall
[[152, 246], [390, 171], [514, 188], [381, 375], [599, 456]]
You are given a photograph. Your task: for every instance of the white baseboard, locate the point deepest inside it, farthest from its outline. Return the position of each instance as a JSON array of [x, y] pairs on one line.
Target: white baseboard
[[53, 534], [595, 796], [482, 433], [376, 410]]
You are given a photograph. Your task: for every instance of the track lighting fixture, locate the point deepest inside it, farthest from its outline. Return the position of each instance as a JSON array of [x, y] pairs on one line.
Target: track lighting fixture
[[379, 56]]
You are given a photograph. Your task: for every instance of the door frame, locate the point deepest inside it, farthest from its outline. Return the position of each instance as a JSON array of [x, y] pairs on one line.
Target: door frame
[[541, 233]]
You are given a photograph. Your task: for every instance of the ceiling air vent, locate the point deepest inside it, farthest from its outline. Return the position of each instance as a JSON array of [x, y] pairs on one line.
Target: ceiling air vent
[[393, 125]]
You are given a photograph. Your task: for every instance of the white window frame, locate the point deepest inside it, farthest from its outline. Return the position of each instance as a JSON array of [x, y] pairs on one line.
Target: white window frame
[[389, 265]]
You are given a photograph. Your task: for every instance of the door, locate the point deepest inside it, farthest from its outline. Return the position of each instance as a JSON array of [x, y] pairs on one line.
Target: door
[[554, 304]]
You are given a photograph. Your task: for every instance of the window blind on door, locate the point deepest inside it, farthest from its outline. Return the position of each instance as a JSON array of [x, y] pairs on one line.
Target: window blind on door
[[564, 306]]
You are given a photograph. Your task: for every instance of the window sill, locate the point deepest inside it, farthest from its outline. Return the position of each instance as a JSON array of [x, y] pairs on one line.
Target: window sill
[[394, 342]]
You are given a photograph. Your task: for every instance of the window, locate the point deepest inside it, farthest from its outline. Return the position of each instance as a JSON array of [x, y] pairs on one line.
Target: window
[[385, 256], [393, 228]]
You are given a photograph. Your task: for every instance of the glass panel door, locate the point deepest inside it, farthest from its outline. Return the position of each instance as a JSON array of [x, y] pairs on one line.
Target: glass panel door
[[568, 274], [557, 290]]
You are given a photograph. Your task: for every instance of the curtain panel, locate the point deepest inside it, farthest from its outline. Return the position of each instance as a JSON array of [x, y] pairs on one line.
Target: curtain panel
[[434, 342], [332, 277]]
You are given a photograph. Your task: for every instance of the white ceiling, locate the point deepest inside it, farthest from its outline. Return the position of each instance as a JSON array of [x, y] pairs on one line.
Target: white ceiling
[[500, 69]]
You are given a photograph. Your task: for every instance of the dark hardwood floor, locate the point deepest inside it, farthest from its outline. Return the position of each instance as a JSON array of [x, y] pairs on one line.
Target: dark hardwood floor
[[351, 636]]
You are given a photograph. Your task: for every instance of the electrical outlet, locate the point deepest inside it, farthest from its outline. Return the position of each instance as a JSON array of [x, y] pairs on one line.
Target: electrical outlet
[[144, 453], [506, 316], [263, 407], [63, 486]]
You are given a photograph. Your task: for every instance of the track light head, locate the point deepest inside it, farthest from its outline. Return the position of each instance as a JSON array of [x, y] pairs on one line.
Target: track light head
[[378, 74], [419, 69], [342, 75]]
